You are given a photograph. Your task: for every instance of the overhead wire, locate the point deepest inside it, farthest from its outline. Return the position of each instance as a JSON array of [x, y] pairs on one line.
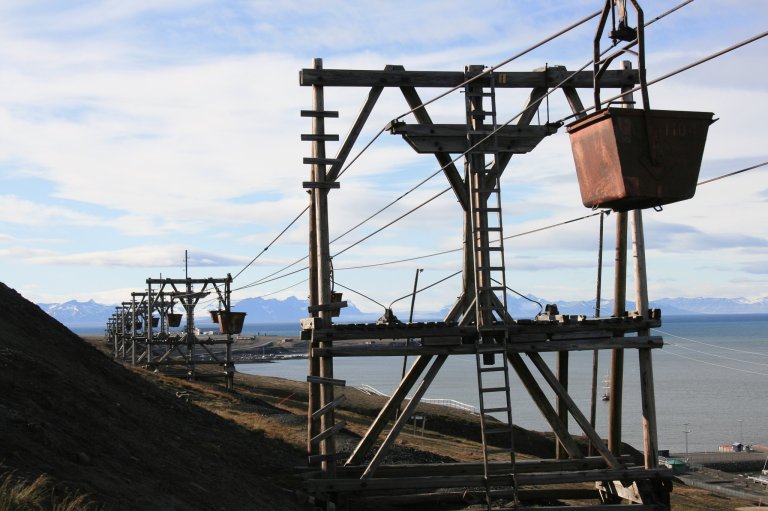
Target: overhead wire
[[715, 355], [667, 352], [478, 143], [432, 100], [669, 334], [267, 279]]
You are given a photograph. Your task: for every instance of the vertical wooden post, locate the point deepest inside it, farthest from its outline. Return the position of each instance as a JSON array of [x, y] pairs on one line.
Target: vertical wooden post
[[619, 308], [562, 409], [617, 355], [229, 371], [323, 270], [647, 393]]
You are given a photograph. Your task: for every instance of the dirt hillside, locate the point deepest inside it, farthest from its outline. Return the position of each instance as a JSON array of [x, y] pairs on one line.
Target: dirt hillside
[[92, 425]]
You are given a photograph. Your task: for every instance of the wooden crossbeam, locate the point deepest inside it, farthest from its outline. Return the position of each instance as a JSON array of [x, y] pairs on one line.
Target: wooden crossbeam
[[515, 79]]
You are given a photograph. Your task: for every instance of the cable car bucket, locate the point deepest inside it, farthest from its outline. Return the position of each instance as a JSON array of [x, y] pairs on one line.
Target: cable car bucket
[[630, 158]]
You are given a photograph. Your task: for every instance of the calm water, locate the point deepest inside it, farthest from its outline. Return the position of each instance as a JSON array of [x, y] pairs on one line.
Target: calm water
[[712, 375]]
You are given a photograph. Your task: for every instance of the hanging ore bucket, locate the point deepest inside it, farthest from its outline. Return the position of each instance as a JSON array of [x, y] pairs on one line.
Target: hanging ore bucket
[[231, 322], [630, 158], [174, 319], [214, 317], [155, 321], [634, 159]]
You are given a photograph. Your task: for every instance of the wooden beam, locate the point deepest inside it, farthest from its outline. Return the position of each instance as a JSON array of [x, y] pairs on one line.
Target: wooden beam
[[419, 483], [545, 407], [405, 415], [579, 417], [542, 346], [452, 138], [515, 79], [388, 411], [449, 169]]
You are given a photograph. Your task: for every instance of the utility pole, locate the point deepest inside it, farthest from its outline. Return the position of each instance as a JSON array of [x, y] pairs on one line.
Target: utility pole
[[686, 431]]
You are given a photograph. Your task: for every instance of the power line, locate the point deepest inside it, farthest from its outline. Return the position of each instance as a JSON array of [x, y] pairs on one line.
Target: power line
[[424, 288], [718, 356], [501, 64], [733, 173], [713, 364], [485, 72], [712, 345], [272, 242], [672, 73]]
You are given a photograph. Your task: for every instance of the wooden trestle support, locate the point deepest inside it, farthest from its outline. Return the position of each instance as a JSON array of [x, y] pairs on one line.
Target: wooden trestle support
[[140, 330], [478, 323]]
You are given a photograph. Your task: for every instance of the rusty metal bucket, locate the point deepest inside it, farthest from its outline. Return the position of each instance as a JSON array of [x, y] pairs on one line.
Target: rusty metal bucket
[[634, 159], [214, 317], [155, 321], [231, 322], [173, 319]]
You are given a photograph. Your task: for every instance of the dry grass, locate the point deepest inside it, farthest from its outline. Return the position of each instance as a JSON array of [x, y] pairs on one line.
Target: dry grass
[[18, 494]]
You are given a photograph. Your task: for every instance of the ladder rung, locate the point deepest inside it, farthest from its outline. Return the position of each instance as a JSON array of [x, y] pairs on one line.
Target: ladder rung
[[494, 389], [311, 137], [492, 288], [319, 113], [498, 431], [321, 161], [478, 93], [495, 410], [499, 450], [491, 268], [491, 369]]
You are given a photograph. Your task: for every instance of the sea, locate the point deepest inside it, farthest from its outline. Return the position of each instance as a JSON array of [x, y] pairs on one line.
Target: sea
[[711, 380]]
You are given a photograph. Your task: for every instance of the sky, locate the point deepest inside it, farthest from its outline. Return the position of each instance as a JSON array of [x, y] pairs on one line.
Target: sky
[[133, 131]]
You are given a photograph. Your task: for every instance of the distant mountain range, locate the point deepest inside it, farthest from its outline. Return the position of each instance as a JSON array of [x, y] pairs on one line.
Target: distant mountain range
[[259, 310]]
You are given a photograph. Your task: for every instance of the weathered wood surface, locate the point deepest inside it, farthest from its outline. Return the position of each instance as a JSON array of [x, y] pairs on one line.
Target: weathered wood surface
[[542, 346], [452, 138], [475, 468], [404, 483], [515, 79]]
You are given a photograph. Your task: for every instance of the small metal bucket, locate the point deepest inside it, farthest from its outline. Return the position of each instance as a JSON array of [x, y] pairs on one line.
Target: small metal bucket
[[231, 322], [173, 319], [155, 321], [214, 317], [634, 159]]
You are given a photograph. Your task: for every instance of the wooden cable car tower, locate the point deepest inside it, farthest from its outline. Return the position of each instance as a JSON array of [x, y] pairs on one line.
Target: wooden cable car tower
[[141, 329], [478, 323]]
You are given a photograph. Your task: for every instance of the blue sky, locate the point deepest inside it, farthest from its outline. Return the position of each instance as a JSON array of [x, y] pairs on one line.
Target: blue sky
[[131, 131]]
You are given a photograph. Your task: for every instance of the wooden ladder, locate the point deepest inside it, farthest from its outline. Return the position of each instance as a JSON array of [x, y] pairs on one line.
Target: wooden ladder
[[490, 280]]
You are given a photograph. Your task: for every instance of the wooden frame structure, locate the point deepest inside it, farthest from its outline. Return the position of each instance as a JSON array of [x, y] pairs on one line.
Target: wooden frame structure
[[141, 329], [478, 323]]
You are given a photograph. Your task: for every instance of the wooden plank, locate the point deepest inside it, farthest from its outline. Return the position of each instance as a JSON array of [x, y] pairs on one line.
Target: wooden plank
[[446, 162], [388, 411], [515, 79], [319, 161], [354, 131], [428, 348], [329, 406], [319, 113], [327, 306], [312, 137], [452, 138], [328, 432], [326, 381], [474, 468], [579, 417], [545, 407], [324, 184], [422, 483], [404, 416]]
